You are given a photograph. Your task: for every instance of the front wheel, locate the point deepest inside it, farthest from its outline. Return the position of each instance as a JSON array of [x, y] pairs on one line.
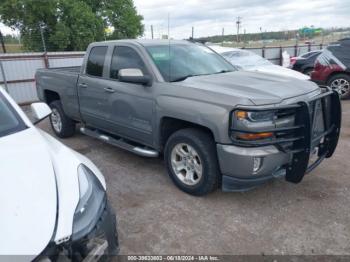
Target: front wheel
[[61, 124], [341, 83], [191, 161]]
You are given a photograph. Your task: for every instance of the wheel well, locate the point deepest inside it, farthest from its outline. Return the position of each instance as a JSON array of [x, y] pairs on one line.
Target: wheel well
[[51, 96], [337, 73], [171, 125]]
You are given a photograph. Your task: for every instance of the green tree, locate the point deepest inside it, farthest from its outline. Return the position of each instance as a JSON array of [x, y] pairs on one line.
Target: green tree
[[70, 24], [123, 17]]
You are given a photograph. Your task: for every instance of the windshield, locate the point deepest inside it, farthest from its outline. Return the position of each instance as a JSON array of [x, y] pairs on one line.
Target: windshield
[[179, 61], [309, 54], [245, 59], [10, 122]]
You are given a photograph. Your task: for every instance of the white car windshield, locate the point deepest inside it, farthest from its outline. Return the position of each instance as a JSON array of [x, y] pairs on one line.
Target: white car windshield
[[244, 59], [10, 122]]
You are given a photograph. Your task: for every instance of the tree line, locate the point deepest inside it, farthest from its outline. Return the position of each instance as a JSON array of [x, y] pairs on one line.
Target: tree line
[[70, 25]]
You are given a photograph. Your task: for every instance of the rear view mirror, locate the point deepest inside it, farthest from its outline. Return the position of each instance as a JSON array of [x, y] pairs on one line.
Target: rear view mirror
[[134, 75], [40, 112]]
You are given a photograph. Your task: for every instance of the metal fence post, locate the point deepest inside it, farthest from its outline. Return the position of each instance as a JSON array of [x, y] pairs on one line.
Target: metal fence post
[[281, 56], [3, 76], [263, 51], [46, 60]]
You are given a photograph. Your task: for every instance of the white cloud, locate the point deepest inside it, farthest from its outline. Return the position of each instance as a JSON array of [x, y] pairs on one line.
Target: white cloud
[[209, 17]]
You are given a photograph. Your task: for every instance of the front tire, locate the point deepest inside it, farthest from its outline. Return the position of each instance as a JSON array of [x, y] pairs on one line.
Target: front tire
[[340, 83], [191, 161], [61, 124]]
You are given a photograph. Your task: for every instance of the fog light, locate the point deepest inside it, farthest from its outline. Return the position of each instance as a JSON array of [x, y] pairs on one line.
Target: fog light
[[257, 162]]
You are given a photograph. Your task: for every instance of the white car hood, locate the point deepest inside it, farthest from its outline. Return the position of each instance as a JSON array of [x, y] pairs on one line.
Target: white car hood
[[39, 191], [279, 70], [28, 194]]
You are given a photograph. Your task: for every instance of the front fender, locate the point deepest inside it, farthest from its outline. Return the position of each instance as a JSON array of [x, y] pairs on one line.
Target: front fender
[[213, 116]]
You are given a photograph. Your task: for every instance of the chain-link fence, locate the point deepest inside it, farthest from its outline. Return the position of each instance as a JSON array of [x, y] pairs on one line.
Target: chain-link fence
[[17, 71]]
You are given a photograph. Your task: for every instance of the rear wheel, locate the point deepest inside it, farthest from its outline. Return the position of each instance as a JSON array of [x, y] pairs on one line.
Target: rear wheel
[[341, 83], [191, 161], [61, 124]]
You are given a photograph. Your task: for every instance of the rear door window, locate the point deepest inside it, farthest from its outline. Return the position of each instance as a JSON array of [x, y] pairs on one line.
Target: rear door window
[[96, 60], [125, 57]]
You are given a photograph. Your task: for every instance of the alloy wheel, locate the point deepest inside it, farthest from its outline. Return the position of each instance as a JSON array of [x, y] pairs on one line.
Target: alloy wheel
[[186, 164], [56, 120]]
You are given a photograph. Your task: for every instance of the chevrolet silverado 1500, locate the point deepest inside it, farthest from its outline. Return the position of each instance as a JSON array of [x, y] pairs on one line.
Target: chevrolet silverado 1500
[[216, 126]]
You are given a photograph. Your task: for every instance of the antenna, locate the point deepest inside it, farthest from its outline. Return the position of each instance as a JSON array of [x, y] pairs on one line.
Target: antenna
[[169, 47], [168, 25]]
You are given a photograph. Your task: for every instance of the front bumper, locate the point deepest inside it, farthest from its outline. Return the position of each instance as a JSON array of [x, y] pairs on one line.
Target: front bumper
[[102, 241], [100, 244], [289, 153], [237, 164]]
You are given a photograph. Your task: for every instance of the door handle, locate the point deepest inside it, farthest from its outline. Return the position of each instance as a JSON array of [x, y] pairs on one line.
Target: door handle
[[83, 85], [109, 89]]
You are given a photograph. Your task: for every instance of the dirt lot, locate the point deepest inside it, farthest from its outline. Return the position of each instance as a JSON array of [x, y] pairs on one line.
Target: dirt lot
[[154, 217]]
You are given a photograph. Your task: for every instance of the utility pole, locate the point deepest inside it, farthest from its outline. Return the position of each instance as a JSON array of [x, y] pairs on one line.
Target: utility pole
[[244, 39], [2, 42], [152, 31], [238, 24], [42, 37]]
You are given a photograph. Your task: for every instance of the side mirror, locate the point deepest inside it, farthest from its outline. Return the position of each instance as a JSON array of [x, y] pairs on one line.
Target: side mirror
[[134, 75], [40, 112]]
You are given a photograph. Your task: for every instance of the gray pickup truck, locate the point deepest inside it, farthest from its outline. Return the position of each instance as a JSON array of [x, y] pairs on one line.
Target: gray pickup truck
[[216, 126]]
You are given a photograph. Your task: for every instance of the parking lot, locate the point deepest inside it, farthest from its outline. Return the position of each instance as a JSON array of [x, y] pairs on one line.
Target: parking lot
[[154, 217]]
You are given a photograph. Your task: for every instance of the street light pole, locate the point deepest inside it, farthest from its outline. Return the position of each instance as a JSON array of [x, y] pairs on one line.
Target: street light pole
[[238, 23], [2, 42], [42, 37]]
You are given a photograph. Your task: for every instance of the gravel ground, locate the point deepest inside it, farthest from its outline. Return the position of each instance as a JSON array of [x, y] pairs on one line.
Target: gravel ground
[[154, 217]]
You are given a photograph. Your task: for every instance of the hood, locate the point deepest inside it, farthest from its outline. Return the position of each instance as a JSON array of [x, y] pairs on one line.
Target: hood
[[28, 194], [260, 88], [279, 70]]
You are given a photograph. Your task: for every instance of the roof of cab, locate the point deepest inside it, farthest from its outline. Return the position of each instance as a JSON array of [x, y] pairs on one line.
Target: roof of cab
[[143, 42]]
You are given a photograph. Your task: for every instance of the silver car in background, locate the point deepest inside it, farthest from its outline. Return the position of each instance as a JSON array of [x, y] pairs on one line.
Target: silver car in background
[[249, 61]]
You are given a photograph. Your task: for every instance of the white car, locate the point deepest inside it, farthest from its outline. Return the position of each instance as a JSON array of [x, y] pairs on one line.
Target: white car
[[52, 199], [249, 61]]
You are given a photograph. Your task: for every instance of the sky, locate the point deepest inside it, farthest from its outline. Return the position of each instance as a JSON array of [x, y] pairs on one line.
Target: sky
[[208, 17]]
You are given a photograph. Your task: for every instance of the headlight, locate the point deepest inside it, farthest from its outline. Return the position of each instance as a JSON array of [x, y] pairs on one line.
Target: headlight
[[257, 116], [91, 203], [246, 125]]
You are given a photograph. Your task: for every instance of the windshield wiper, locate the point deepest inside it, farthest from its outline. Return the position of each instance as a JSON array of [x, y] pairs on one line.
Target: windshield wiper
[[223, 71], [182, 78]]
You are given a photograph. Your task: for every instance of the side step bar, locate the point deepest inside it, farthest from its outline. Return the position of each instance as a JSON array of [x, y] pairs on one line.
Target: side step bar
[[119, 142]]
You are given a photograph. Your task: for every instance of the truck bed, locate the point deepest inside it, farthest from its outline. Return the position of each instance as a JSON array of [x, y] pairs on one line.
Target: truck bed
[[68, 69], [61, 81]]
